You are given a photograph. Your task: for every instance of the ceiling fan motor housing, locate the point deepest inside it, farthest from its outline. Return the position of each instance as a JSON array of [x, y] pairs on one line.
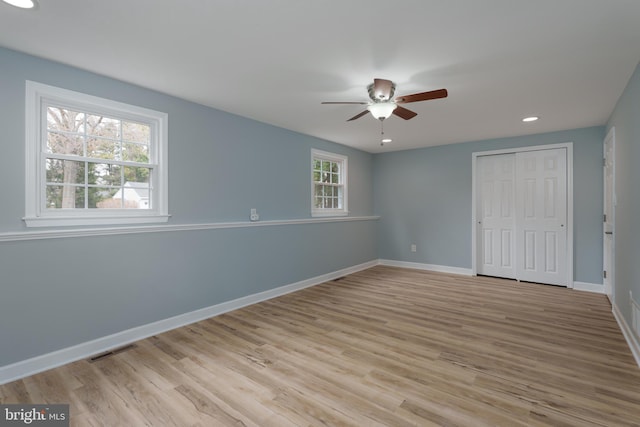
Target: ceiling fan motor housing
[[380, 97]]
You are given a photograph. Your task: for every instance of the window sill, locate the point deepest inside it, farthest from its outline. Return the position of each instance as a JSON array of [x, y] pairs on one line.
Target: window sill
[[320, 214], [70, 221]]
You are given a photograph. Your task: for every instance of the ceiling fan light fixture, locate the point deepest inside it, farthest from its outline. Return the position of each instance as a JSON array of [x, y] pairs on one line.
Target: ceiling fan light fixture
[[22, 4], [382, 110]]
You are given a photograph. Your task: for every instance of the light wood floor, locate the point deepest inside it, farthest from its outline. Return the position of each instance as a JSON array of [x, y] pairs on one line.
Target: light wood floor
[[385, 346]]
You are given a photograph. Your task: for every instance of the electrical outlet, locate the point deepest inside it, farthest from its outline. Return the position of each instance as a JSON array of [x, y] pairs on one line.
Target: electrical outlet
[[254, 215], [414, 248]]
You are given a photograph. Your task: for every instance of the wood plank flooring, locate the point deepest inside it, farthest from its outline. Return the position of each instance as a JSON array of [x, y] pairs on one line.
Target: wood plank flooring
[[383, 347]]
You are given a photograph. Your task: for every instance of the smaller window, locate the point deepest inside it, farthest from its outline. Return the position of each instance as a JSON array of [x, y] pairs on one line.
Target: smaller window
[[328, 184]]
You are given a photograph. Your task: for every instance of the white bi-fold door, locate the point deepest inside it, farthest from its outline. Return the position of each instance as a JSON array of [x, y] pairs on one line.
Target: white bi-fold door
[[497, 220], [522, 215]]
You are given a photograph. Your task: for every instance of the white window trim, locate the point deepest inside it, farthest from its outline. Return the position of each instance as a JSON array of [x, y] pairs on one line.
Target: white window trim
[[35, 215], [324, 155]]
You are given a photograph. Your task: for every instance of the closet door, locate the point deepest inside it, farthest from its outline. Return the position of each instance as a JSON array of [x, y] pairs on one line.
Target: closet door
[[541, 216], [496, 215]]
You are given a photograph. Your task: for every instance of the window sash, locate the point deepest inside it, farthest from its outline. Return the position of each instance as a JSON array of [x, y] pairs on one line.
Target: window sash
[[328, 172]]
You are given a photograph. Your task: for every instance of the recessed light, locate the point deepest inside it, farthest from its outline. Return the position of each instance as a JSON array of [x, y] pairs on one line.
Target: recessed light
[[22, 4], [530, 119]]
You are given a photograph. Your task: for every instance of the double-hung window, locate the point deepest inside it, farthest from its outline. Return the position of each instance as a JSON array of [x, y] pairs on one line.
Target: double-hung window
[[329, 184], [92, 161]]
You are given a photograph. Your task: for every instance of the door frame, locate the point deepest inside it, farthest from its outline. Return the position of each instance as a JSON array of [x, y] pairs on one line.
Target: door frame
[[475, 229], [611, 270]]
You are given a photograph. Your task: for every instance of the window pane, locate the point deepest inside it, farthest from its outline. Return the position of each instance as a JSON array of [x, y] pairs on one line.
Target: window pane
[[64, 143], [100, 148], [65, 197], [335, 178], [316, 176], [136, 132], [78, 194], [335, 167], [104, 174], [62, 119], [136, 195], [54, 197], [64, 171], [317, 164], [103, 126], [104, 198], [135, 152], [326, 177], [135, 176], [327, 203], [326, 166]]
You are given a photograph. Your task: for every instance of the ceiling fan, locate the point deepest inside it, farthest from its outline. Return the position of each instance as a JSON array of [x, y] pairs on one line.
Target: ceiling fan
[[382, 106]]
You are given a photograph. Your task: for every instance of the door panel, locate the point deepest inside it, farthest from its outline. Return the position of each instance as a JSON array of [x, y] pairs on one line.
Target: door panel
[[529, 250], [541, 214], [507, 249], [551, 252], [496, 175]]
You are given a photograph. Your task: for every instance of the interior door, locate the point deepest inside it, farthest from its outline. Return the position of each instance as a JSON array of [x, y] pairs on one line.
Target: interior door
[[609, 215], [541, 216], [496, 217]]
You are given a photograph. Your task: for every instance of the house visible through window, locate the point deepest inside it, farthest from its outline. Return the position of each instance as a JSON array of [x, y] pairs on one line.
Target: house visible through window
[[92, 160], [329, 182]]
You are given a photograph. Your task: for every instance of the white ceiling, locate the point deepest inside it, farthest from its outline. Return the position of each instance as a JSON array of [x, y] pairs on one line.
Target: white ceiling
[[566, 61]]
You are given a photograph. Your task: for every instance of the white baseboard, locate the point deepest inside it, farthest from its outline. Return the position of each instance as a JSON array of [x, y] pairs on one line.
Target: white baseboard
[[84, 350], [632, 341], [429, 267], [588, 287]]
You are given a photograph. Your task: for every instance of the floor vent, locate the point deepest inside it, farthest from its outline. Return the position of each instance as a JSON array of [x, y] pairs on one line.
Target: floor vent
[[111, 353]]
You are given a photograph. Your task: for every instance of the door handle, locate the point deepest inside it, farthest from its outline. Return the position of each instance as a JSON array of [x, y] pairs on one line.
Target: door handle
[[608, 232]]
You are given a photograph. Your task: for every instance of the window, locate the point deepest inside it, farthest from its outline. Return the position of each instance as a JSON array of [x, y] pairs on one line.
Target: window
[[93, 161], [329, 184]]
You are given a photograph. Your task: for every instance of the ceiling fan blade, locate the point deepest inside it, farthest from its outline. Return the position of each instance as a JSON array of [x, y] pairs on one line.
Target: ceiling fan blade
[[423, 96], [404, 113], [339, 102], [357, 116], [382, 88]]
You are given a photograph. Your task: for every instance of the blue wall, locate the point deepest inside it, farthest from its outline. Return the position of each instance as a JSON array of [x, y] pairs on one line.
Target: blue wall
[[626, 120], [424, 196], [61, 292]]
